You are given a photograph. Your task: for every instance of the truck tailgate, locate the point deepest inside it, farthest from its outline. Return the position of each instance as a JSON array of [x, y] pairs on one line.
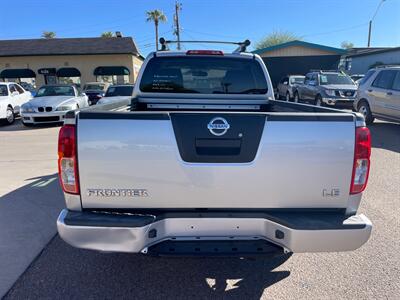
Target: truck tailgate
[[172, 160]]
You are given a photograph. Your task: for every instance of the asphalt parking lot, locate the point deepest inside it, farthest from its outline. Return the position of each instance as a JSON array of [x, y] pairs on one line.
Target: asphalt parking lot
[[30, 200]]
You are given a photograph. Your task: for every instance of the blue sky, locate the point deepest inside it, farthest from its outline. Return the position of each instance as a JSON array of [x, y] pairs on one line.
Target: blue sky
[[327, 22]]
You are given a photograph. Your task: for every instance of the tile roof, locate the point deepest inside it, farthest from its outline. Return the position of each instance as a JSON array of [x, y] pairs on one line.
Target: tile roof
[[68, 46]]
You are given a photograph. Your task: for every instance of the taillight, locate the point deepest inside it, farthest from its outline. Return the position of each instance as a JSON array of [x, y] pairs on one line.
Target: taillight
[[362, 153], [204, 52], [67, 163]]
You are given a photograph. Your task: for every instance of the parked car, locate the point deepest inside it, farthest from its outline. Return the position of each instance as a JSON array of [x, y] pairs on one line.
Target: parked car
[[327, 88], [12, 97], [287, 85], [95, 91], [357, 77], [201, 162], [117, 93], [29, 87], [379, 94], [51, 103]]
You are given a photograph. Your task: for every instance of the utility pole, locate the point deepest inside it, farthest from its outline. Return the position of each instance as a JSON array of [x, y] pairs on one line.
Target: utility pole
[[370, 22], [369, 33], [178, 8]]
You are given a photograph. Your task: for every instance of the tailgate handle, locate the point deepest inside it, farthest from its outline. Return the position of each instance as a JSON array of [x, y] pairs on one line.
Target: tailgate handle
[[211, 147]]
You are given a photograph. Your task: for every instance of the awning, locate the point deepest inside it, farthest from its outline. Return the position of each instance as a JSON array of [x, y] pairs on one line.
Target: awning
[[17, 73], [68, 72], [99, 71]]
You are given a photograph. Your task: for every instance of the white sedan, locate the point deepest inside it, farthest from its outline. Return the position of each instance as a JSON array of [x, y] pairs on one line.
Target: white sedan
[[12, 97], [117, 93], [51, 103]]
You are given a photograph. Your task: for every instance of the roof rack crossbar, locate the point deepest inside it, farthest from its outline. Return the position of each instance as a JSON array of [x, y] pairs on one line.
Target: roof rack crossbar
[[242, 45]]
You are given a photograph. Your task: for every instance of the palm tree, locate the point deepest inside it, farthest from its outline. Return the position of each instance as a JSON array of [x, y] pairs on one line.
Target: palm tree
[[48, 34], [156, 16], [107, 34]]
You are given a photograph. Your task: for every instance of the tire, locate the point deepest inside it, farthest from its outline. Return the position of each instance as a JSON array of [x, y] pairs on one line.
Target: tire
[[10, 115], [318, 101], [296, 97], [365, 110], [287, 97]]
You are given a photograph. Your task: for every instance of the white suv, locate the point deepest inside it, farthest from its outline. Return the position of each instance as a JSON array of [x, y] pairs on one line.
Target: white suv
[[12, 97], [379, 94]]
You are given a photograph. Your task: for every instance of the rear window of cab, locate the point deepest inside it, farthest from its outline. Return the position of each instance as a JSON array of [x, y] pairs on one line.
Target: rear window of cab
[[203, 75]]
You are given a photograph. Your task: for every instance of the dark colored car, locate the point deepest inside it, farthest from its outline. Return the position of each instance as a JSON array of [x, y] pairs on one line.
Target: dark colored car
[[95, 91], [327, 88]]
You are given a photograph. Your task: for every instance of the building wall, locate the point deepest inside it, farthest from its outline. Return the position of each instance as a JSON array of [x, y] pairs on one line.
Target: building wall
[[84, 63], [361, 64], [278, 67], [296, 51]]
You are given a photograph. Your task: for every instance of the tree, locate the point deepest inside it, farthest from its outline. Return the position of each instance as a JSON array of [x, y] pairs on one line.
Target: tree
[[156, 16], [347, 45], [107, 34], [276, 38], [48, 34]]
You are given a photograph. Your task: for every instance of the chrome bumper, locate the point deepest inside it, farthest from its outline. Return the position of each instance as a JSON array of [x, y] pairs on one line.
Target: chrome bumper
[[338, 101], [136, 233]]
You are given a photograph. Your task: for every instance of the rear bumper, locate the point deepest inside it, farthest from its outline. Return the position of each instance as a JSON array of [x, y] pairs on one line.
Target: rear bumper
[[139, 233]]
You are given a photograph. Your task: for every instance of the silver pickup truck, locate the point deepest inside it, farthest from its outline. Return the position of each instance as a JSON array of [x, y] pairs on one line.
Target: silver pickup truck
[[203, 161]]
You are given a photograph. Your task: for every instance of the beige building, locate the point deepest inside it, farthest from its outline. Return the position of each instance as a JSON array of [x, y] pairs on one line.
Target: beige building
[[70, 60]]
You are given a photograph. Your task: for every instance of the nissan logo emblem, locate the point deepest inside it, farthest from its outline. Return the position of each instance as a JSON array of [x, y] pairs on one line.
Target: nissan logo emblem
[[218, 126]]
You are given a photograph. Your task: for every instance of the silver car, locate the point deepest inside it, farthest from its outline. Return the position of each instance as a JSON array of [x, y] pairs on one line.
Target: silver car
[[116, 93], [51, 103], [286, 86], [379, 94]]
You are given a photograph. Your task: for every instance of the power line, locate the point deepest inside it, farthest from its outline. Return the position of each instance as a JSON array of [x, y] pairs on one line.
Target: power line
[[151, 36], [213, 34], [206, 46], [377, 8], [337, 30]]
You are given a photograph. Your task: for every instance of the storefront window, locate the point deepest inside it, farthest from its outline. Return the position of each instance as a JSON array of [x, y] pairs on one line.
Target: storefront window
[[70, 80], [112, 74], [50, 79], [69, 76], [49, 75], [113, 79]]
